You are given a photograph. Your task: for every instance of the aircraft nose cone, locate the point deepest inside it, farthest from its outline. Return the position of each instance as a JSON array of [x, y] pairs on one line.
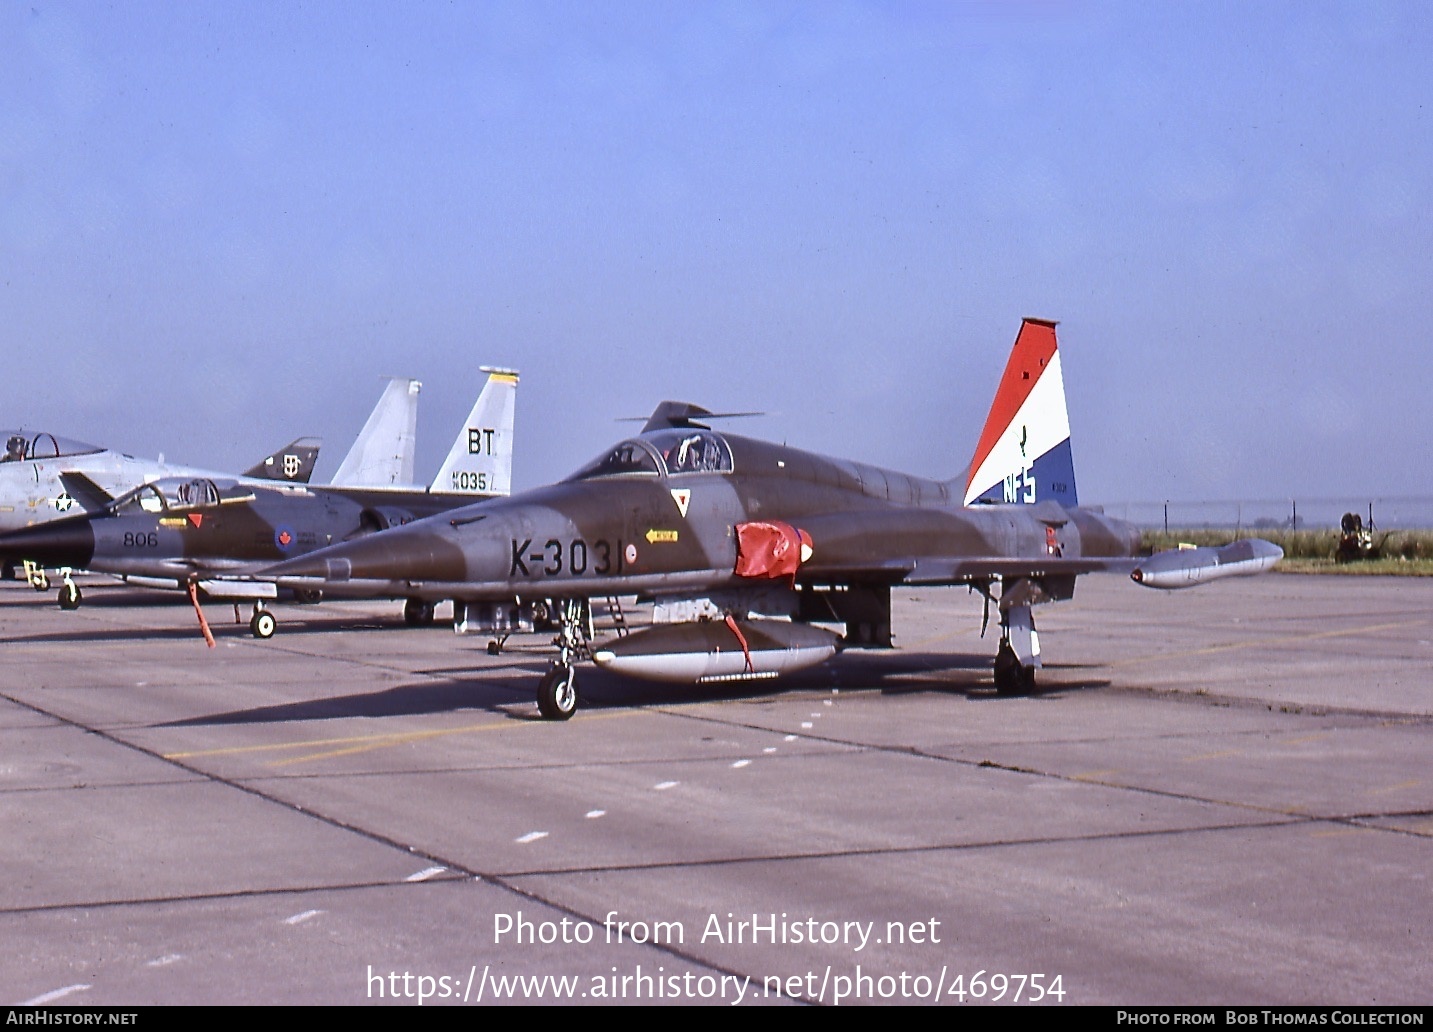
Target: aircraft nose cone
[[62, 543]]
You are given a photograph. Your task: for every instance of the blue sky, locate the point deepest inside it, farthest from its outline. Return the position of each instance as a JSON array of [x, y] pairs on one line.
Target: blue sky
[[222, 223]]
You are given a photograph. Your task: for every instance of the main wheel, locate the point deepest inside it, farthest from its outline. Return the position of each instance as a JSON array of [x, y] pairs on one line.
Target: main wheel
[[70, 596], [1011, 676], [417, 612], [262, 624], [557, 693]]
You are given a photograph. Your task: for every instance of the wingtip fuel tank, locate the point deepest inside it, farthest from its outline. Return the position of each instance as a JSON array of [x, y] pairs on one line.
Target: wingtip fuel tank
[[1186, 567]]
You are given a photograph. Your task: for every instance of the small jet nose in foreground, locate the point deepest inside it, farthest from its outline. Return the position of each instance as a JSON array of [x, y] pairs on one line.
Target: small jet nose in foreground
[[390, 555], [63, 543]]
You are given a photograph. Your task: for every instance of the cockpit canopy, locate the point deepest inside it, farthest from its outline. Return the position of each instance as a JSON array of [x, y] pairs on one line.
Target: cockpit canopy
[[23, 446], [181, 494], [673, 452]]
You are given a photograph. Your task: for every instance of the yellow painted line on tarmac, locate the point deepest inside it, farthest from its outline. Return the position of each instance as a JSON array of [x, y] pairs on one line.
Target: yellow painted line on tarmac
[[363, 743], [1094, 775], [1291, 639], [275, 746], [388, 741], [935, 638], [1396, 788]]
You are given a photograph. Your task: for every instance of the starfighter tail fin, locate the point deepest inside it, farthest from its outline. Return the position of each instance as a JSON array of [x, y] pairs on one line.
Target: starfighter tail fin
[[292, 463], [382, 454], [1024, 451], [480, 462]]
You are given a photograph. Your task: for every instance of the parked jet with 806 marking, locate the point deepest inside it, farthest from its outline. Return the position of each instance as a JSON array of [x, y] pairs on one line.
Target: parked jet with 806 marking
[[745, 546], [185, 532]]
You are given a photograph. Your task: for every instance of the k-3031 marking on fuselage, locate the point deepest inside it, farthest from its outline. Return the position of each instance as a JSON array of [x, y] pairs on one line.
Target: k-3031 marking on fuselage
[[554, 558]]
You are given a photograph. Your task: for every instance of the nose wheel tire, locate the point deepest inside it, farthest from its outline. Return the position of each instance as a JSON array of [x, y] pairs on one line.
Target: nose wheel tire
[[262, 624], [70, 596], [557, 693]]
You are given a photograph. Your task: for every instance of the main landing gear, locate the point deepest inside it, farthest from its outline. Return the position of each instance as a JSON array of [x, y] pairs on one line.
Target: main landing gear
[[557, 691], [418, 612], [262, 624], [1019, 655]]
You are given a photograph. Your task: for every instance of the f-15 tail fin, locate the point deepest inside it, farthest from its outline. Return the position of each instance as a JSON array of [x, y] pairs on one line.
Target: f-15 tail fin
[[292, 463], [480, 462], [1024, 451], [382, 454]]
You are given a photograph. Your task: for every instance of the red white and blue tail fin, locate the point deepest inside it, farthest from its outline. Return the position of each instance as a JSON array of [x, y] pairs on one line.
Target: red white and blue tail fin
[[1024, 452]]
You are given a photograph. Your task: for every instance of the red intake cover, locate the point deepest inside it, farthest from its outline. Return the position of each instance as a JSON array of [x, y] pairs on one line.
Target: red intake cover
[[771, 550]]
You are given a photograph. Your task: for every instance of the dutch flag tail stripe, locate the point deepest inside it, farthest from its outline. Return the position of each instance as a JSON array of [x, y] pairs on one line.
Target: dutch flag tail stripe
[[1024, 451]]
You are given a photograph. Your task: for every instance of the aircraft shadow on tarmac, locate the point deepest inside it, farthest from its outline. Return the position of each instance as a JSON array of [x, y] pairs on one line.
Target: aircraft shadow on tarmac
[[109, 634], [220, 628], [21, 596], [419, 699], [221, 623], [889, 673], [494, 688]]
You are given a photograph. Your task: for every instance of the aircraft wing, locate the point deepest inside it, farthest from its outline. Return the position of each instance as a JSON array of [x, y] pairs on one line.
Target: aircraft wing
[[958, 571], [237, 590], [932, 547], [937, 570], [82, 489]]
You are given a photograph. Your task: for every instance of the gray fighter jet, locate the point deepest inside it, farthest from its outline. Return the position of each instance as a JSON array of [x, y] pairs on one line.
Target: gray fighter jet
[[44, 476], [750, 551], [185, 532]]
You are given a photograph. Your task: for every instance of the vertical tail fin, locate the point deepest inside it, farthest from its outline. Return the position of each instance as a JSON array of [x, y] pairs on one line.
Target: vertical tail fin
[[480, 462], [293, 463], [1024, 451], [382, 454]]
